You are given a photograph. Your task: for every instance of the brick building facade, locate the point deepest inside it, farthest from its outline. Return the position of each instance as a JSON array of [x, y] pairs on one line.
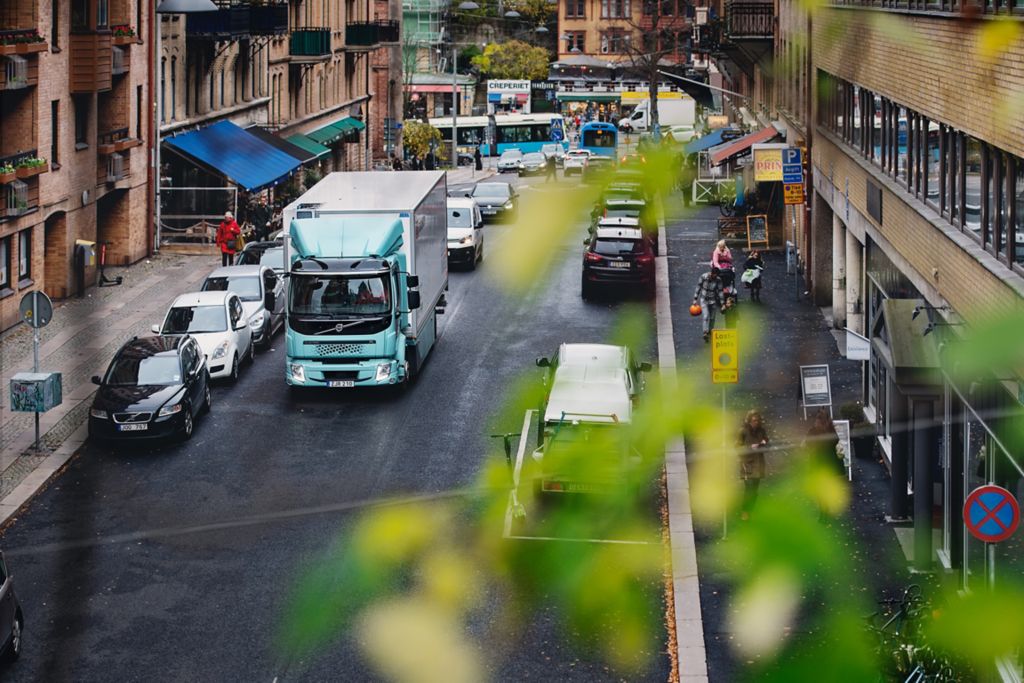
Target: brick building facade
[[74, 102]]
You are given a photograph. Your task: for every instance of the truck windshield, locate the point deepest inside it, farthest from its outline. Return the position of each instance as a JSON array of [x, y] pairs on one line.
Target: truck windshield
[[340, 296]]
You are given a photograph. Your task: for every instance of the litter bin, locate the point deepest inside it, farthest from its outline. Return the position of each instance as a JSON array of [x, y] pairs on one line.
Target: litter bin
[[85, 257]]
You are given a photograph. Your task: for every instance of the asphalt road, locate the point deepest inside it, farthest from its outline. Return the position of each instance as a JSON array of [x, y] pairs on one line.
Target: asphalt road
[[176, 563]]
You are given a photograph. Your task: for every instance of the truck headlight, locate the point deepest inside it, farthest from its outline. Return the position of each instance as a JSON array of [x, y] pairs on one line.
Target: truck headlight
[[98, 414], [169, 410], [468, 239], [256, 320], [383, 372], [219, 352], [298, 372]]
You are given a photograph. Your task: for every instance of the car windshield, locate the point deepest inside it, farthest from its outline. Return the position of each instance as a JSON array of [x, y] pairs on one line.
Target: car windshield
[[618, 212], [338, 296], [534, 158], [500, 190], [460, 218], [246, 287], [127, 371], [511, 154], [273, 257], [617, 247], [195, 320]]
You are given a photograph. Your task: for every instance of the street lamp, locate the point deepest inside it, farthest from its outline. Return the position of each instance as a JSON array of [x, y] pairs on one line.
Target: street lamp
[[166, 7]]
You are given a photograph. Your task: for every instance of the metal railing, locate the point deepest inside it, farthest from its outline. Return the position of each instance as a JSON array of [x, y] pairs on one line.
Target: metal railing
[[368, 33], [747, 19], [227, 23], [13, 159], [112, 136], [310, 41], [268, 20], [955, 6]]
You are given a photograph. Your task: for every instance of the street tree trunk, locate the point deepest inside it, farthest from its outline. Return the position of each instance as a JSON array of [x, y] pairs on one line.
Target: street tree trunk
[[652, 92]]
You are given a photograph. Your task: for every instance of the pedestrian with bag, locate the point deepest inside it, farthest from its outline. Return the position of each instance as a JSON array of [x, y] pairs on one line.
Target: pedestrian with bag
[[478, 161], [752, 443], [752, 274], [708, 295], [721, 258], [228, 236]]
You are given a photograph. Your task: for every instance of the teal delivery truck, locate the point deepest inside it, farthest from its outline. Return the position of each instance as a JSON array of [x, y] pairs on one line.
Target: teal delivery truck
[[367, 269]]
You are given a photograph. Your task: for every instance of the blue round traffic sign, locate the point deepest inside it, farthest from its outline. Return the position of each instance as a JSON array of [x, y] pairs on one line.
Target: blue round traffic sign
[[991, 513]]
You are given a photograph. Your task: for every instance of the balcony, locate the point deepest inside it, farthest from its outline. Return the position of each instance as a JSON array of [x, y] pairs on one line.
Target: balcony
[[21, 166], [19, 184], [122, 34], [116, 140], [91, 62], [120, 60], [268, 20], [21, 42], [18, 71], [369, 34], [749, 20], [227, 23], [310, 44]]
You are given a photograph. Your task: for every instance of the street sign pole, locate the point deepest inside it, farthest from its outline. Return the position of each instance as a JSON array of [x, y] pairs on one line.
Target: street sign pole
[[725, 369], [35, 353], [725, 465]]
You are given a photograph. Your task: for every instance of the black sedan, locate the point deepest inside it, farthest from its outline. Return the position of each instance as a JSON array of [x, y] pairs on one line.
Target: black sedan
[[154, 388], [497, 201]]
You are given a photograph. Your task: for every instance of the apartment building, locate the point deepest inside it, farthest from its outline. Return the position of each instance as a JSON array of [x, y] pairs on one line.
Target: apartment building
[[286, 86], [74, 104], [613, 30]]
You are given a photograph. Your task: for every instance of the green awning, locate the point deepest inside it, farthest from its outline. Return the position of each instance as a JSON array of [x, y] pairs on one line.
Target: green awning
[[327, 135], [588, 96], [353, 124], [314, 148]]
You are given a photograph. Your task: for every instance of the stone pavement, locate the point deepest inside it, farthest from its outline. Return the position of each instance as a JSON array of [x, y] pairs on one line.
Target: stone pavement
[[468, 174], [79, 343]]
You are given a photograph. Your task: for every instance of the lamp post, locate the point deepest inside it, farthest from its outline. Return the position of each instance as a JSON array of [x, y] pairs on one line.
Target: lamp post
[[467, 5], [166, 7]]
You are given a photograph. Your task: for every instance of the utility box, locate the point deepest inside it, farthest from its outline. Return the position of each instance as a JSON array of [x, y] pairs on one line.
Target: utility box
[[86, 252], [35, 392]]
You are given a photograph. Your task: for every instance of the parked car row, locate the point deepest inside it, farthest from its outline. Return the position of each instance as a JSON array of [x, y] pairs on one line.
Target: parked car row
[[156, 386], [532, 163]]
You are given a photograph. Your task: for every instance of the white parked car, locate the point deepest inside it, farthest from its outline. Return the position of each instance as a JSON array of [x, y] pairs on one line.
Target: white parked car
[[510, 161], [217, 321], [465, 232], [262, 293], [576, 161]]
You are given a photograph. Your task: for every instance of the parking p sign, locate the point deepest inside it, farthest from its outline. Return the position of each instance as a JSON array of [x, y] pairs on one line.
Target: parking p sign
[[792, 166]]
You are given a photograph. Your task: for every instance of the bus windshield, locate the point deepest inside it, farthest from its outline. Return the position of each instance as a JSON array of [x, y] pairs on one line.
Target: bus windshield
[[598, 138]]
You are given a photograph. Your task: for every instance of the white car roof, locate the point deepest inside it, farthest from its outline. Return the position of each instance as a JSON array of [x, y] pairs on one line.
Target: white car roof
[[461, 202], [201, 299], [605, 355], [581, 393], [608, 228], [238, 271]]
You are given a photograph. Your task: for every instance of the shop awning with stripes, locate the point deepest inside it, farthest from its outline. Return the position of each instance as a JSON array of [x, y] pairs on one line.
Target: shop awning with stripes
[[739, 145], [282, 144], [311, 146]]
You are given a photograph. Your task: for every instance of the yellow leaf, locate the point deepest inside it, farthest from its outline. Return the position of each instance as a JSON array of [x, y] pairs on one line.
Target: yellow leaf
[[995, 37]]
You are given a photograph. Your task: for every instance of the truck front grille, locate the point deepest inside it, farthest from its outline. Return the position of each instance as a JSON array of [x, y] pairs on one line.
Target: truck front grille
[[341, 375], [340, 349]]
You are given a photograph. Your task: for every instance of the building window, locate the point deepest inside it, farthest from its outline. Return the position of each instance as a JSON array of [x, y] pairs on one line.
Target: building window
[[576, 9], [222, 87], [54, 23], [973, 191], [55, 133], [138, 112], [24, 255], [615, 9], [5, 263], [79, 15], [102, 13], [82, 105], [576, 41], [163, 90], [614, 41]]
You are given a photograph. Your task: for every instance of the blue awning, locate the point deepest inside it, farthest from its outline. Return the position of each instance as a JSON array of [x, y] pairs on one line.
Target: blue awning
[[707, 142], [245, 159]]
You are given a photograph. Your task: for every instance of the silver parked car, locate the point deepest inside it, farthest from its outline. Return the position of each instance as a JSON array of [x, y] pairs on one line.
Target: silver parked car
[[12, 622], [262, 293], [510, 161]]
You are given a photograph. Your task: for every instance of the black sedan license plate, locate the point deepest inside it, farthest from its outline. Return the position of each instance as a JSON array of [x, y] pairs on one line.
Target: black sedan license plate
[[133, 428], [619, 264]]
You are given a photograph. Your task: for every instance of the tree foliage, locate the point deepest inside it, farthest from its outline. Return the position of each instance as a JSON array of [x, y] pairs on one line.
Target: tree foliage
[[513, 60], [417, 137], [534, 12]]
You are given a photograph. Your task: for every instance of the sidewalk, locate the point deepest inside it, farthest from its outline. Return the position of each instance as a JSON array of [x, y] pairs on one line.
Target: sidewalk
[[79, 343], [794, 333], [469, 174]]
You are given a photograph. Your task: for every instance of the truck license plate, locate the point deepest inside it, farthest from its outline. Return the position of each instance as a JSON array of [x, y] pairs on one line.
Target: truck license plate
[[341, 383], [488, 212], [619, 264], [133, 428]]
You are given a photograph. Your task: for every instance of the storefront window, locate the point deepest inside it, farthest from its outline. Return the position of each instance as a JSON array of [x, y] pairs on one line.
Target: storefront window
[[934, 167], [1018, 234], [972, 188]]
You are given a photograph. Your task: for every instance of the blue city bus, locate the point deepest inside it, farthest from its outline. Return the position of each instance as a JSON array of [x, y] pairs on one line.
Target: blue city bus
[[525, 132], [599, 138]]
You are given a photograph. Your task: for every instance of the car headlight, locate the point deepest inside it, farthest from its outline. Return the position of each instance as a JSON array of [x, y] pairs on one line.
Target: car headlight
[[256, 319], [508, 205], [468, 239], [383, 372], [169, 410], [219, 352], [98, 414], [298, 372]]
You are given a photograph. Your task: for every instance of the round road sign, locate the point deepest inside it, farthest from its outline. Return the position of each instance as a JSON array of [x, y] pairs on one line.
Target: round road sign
[[991, 513], [36, 309]]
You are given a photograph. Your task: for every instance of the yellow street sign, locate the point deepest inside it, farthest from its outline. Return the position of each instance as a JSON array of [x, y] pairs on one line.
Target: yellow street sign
[[725, 356], [793, 193]]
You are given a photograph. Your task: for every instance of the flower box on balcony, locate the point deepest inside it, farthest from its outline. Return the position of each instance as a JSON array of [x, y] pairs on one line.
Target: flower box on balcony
[[122, 40], [7, 177], [106, 148], [29, 171], [29, 48], [124, 143]]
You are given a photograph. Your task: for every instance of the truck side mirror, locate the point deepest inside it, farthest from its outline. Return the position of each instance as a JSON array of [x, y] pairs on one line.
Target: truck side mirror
[[414, 300], [543, 363], [412, 280]]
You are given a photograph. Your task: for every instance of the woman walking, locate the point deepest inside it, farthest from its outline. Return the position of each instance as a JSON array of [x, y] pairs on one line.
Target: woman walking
[[721, 258], [752, 441], [752, 274], [227, 238]]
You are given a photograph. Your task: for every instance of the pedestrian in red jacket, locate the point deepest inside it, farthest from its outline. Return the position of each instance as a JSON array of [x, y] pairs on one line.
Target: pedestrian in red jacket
[[227, 238]]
